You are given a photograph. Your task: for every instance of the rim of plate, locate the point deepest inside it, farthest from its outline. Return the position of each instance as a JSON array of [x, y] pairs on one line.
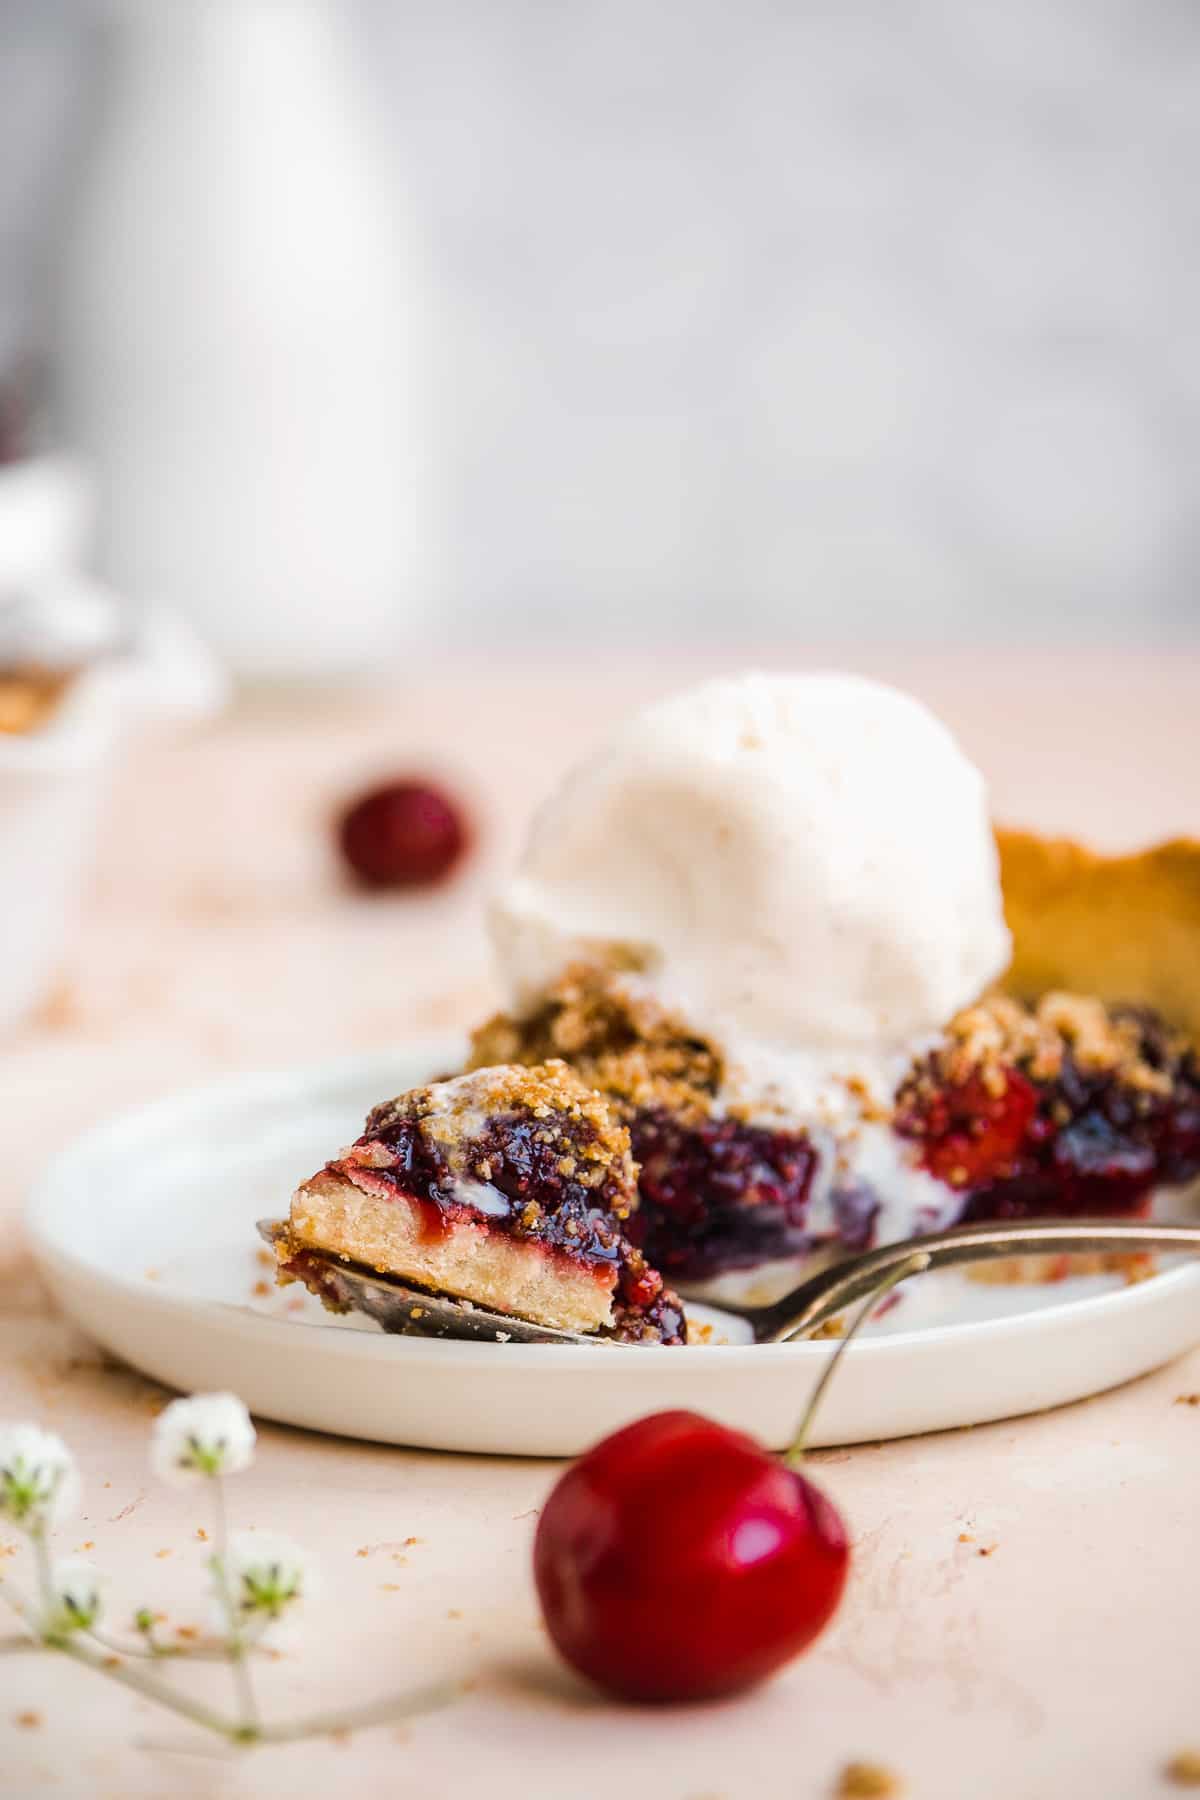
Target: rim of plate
[[52, 1196]]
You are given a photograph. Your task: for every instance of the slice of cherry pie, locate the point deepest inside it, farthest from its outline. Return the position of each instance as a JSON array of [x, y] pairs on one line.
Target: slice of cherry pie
[[1053, 1106], [596, 1140], [511, 1187]]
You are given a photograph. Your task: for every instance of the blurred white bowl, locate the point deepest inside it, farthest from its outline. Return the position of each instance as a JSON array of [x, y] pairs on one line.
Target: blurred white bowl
[[53, 782], [46, 512]]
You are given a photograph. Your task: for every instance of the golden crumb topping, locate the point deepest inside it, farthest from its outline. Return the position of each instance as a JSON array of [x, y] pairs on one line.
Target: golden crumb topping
[[1001, 1033], [619, 1041], [457, 1116], [615, 1037]]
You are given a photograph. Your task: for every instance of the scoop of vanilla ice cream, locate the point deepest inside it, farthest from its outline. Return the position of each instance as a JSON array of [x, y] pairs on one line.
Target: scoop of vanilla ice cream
[[804, 862]]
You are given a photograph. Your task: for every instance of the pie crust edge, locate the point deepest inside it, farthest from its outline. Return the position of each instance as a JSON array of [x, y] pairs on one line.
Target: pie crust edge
[[1122, 928]]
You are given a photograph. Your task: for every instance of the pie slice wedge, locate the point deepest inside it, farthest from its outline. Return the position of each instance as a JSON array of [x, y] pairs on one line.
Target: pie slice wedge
[[508, 1186]]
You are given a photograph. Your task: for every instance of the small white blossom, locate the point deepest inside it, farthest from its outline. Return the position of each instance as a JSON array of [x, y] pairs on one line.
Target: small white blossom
[[78, 1597], [210, 1434], [267, 1575], [39, 1483]]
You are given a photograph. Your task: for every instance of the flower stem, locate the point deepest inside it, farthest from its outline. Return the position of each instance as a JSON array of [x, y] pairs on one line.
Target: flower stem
[[915, 1264], [41, 1554], [385, 1711], [22, 1609], [235, 1638], [150, 1688], [389, 1710], [115, 1647], [150, 1650]]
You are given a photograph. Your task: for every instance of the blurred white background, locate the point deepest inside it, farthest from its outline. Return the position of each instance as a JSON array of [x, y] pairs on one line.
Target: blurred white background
[[774, 321]]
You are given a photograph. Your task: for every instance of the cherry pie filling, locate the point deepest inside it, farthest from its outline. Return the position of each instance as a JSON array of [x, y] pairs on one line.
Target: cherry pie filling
[[1081, 1128], [594, 1145], [719, 1193], [1063, 1109]]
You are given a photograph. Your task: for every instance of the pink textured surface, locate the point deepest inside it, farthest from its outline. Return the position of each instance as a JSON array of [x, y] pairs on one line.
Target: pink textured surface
[[219, 936]]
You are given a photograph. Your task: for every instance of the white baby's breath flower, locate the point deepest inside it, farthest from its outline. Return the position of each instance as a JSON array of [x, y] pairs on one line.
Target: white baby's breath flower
[[78, 1597], [39, 1483], [267, 1575], [210, 1434]]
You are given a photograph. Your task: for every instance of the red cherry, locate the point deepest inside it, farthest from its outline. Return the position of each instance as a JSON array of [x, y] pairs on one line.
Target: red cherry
[[403, 834], [678, 1560]]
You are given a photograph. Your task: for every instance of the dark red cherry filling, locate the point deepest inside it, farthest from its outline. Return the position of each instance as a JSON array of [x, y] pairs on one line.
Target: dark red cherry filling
[[645, 1311], [552, 1175], [719, 1194], [1086, 1141], [511, 1157]]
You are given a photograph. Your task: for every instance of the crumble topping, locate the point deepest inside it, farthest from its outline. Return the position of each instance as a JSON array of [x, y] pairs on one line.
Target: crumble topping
[[620, 1041], [570, 1122], [615, 1038], [1000, 1034], [533, 1144]]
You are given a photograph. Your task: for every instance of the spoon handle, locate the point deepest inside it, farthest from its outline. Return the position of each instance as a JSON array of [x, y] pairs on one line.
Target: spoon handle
[[823, 1296]]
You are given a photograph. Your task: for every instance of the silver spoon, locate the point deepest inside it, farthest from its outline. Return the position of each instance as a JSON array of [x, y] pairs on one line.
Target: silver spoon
[[821, 1297]]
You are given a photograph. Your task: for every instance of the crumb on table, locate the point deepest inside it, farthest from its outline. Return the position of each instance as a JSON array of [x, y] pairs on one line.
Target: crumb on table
[[867, 1781], [1184, 1768]]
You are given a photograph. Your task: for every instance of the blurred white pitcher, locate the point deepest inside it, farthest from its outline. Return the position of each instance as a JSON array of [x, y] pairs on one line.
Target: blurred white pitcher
[[242, 338]]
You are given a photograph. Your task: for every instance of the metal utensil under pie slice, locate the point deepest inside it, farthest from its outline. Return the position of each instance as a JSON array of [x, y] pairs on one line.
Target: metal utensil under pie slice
[[411, 1312]]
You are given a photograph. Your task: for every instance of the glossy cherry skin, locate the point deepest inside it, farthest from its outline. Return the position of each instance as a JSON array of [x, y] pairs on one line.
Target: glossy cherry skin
[[678, 1560], [404, 834]]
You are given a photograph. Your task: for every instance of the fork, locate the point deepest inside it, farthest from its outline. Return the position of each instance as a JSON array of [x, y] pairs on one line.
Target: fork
[[411, 1312]]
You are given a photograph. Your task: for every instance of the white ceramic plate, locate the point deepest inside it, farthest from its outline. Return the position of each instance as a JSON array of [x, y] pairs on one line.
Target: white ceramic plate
[[144, 1231]]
